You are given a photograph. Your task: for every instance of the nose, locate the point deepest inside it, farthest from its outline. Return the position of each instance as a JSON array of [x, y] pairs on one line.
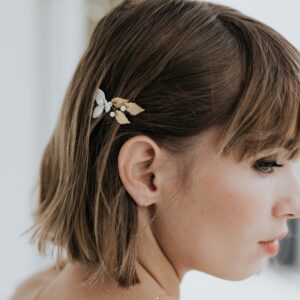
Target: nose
[[289, 203]]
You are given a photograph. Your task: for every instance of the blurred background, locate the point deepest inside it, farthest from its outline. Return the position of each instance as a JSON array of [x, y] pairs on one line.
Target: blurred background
[[41, 43]]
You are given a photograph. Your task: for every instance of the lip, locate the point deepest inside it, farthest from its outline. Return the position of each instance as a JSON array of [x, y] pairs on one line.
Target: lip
[[278, 237], [272, 246]]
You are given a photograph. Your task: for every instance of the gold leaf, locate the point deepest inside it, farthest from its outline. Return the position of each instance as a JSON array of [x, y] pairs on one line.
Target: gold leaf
[[118, 102], [121, 118], [133, 108]]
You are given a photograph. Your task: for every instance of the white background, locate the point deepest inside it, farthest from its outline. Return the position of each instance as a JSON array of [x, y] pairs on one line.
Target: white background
[[41, 42]]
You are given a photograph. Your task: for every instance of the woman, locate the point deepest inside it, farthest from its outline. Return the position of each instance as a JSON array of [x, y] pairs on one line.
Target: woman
[[174, 151]]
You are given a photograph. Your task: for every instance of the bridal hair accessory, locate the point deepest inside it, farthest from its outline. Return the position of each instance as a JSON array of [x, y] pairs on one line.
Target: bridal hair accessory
[[116, 107]]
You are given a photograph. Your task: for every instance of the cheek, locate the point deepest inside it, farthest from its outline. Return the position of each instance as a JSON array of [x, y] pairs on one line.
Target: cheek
[[231, 211], [215, 227], [232, 206]]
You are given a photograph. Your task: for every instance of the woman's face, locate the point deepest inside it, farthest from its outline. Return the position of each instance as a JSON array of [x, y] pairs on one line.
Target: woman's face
[[229, 207]]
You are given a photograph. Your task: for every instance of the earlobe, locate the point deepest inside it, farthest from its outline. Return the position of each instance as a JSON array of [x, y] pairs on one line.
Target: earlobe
[[136, 169]]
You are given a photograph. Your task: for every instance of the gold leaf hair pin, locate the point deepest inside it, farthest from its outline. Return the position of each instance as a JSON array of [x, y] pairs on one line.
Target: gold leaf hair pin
[[116, 107]]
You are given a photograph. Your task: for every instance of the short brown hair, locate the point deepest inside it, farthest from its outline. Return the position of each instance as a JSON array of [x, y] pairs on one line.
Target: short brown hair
[[191, 65]]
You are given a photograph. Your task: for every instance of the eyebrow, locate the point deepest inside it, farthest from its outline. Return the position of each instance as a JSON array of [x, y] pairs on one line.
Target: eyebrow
[[289, 143], [288, 146]]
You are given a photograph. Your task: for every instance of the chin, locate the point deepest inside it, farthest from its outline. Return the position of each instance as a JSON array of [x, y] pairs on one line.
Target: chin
[[237, 275]]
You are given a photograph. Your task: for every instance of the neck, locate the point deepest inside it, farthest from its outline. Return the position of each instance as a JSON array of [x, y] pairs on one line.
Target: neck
[[152, 260]]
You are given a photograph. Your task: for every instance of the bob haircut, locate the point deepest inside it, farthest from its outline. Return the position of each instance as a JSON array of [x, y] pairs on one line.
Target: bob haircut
[[191, 65]]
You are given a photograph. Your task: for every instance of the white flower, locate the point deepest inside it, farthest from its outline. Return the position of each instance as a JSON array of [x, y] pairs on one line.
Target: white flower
[[103, 104]]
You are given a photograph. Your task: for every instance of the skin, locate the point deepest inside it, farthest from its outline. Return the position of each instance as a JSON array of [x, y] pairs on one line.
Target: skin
[[213, 226], [229, 206]]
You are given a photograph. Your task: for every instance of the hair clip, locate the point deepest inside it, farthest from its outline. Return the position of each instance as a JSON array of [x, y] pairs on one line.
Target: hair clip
[[116, 107]]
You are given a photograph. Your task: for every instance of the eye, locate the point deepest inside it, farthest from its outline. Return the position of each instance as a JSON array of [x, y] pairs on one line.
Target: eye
[[266, 166]]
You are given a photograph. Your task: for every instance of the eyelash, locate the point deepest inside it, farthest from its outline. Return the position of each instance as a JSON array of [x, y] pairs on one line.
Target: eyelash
[[272, 164]]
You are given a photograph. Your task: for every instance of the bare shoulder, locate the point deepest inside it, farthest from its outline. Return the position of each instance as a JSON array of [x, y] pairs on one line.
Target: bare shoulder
[[30, 287]]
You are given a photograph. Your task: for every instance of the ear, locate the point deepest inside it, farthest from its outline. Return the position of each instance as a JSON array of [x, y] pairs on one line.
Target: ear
[[139, 163]]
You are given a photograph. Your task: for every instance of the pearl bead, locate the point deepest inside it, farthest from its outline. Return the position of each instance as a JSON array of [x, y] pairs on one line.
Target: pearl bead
[[112, 114], [123, 108]]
